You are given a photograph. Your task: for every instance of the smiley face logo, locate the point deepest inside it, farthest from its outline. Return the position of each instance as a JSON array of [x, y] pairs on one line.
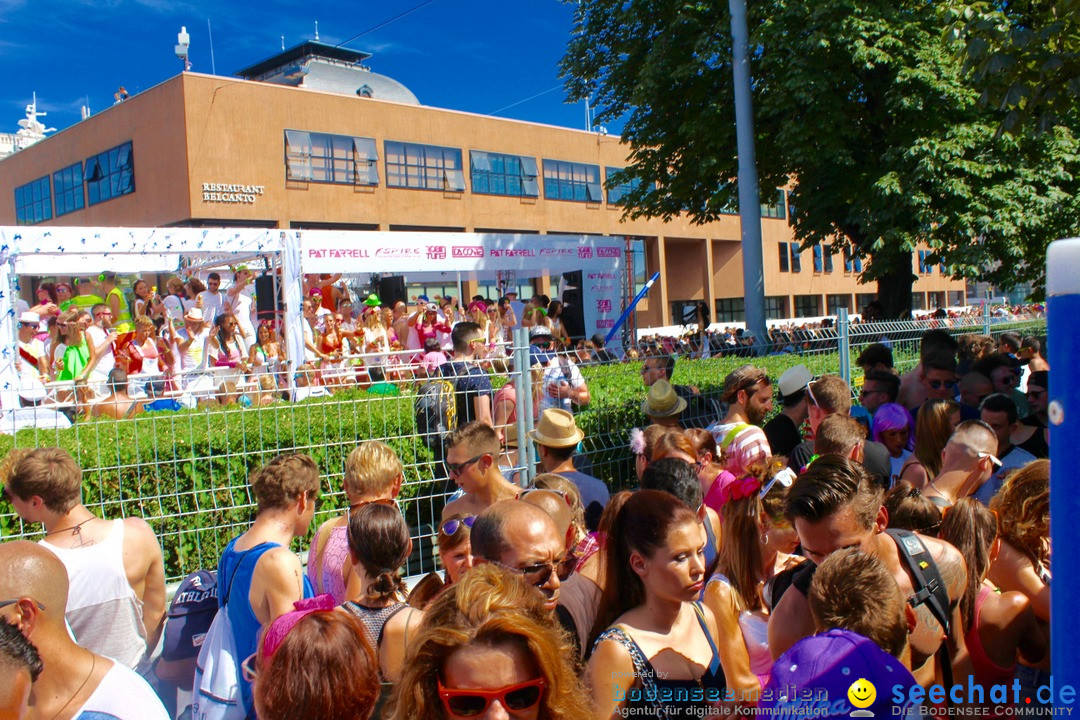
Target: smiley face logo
[[862, 693]]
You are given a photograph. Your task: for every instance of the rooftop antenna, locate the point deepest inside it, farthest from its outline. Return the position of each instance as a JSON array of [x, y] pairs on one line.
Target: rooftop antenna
[[316, 31], [183, 41]]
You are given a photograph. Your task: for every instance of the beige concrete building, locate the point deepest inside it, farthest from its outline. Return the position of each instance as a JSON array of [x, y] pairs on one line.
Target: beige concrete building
[[316, 140]]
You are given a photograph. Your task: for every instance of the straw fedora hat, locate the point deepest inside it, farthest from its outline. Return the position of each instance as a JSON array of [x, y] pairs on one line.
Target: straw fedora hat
[[557, 429], [662, 401]]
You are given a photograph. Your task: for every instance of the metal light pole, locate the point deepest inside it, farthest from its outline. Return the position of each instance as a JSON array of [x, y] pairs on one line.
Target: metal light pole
[[749, 201]]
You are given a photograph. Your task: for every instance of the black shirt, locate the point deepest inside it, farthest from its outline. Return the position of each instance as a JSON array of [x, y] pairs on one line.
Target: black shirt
[[783, 435], [699, 412], [469, 382], [1036, 444], [875, 460]]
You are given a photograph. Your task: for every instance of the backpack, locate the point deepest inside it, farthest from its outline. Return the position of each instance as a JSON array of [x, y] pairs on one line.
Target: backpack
[[216, 693], [929, 588], [187, 621], [436, 411]]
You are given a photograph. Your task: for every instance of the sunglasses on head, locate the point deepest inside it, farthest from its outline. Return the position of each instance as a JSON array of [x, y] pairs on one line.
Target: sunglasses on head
[[938, 384], [455, 469], [451, 527], [473, 703], [381, 501]]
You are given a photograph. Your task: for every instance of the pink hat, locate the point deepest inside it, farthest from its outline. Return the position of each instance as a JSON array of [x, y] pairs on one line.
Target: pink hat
[[279, 628], [315, 291]]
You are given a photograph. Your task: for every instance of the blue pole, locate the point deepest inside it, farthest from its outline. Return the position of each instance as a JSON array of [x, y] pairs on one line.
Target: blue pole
[[1063, 301], [630, 308]]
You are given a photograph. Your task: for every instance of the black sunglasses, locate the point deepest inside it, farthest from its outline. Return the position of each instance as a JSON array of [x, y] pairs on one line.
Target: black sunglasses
[[938, 384], [455, 469]]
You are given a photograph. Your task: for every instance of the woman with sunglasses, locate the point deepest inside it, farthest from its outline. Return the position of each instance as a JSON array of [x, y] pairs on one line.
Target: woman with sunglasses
[[654, 638], [488, 649], [757, 542], [75, 353], [934, 426], [379, 545], [265, 356]]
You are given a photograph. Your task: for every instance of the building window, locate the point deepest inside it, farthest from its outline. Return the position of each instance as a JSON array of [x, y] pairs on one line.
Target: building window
[[424, 167], [730, 310], [325, 158], [110, 174], [828, 259], [572, 181], [918, 301], [616, 193], [785, 263], [33, 202], [819, 261], [777, 209], [498, 174], [835, 302], [851, 262], [925, 268], [776, 307], [796, 258], [862, 300], [807, 306], [68, 184], [641, 264]]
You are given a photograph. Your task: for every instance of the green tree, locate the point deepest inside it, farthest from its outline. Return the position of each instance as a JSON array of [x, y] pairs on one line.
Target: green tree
[[1025, 57], [862, 105]]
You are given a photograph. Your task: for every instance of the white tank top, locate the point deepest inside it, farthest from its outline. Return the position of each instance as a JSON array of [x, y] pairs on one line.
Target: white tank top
[[102, 609]]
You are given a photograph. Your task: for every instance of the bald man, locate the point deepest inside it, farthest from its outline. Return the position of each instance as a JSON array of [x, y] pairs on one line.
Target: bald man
[[20, 666], [74, 681], [522, 538], [556, 506]]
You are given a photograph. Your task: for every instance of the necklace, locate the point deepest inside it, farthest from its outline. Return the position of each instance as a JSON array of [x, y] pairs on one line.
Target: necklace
[[75, 529], [93, 665]]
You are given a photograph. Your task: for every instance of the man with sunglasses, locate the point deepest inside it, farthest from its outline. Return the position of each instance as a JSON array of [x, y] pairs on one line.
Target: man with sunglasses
[[999, 412], [938, 377], [524, 540], [472, 386], [472, 462], [1004, 373], [74, 682], [101, 335], [933, 343], [116, 603], [32, 355]]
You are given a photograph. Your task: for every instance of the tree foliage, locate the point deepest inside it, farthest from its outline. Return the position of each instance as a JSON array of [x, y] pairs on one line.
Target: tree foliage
[[1025, 58], [861, 107]]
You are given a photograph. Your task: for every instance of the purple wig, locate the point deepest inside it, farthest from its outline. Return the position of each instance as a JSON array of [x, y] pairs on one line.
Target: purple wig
[[893, 416]]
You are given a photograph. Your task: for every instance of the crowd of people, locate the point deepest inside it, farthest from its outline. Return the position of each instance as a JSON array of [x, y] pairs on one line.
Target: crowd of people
[[903, 541]]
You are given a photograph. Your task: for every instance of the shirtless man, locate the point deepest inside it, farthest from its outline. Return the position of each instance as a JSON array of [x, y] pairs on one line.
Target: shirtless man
[[835, 504], [968, 461], [123, 619], [117, 404], [74, 682], [472, 461]]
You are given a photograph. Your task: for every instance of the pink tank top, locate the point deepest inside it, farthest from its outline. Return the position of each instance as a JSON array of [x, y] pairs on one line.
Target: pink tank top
[[987, 672]]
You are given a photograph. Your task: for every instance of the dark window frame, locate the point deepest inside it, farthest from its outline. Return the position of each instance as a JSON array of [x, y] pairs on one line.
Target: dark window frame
[[68, 192], [110, 174], [492, 173], [572, 181], [33, 202]]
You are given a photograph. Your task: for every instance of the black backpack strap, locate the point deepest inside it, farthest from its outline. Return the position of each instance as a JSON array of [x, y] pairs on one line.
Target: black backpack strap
[[929, 588]]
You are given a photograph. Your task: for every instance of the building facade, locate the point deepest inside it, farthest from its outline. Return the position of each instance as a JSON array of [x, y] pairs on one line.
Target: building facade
[[200, 150]]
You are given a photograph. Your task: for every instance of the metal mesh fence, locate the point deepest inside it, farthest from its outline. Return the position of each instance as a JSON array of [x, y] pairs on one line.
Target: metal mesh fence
[[187, 471]]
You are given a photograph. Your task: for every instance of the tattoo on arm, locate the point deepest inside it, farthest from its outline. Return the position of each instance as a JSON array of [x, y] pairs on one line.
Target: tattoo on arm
[[953, 574]]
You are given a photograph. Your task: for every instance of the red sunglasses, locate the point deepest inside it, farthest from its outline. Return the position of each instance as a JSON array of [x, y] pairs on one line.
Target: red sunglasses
[[473, 703]]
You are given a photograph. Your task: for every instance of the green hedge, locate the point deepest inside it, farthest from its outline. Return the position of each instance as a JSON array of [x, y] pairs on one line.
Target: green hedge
[[186, 472]]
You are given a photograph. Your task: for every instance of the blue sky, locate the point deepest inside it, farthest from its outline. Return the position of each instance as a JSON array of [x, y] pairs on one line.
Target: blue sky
[[473, 55]]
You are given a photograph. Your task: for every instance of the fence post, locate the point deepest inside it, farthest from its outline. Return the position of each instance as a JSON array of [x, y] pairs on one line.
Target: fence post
[[843, 343], [986, 318], [523, 391]]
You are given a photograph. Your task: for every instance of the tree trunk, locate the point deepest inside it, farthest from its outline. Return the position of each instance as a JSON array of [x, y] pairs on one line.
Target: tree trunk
[[894, 287]]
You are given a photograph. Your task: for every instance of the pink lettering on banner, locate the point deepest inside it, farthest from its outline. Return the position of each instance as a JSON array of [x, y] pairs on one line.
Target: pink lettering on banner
[[512, 253], [585, 253], [609, 252], [316, 253], [436, 252], [346, 253], [557, 252], [603, 306], [602, 276], [468, 252], [398, 252], [605, 323]]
